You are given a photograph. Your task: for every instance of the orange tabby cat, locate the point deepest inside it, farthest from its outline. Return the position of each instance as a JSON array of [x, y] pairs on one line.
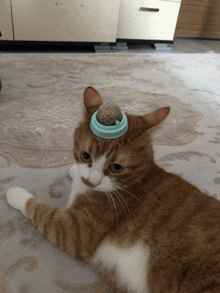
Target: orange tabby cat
[[146, 229]]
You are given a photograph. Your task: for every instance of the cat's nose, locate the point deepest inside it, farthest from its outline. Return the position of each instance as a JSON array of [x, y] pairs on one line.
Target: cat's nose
[[95, 178]]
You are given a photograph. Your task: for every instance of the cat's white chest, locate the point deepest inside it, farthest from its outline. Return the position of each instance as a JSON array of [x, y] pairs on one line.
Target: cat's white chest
[[130, 264]]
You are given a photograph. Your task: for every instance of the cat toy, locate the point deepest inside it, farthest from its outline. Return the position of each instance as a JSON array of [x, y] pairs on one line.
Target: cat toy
[[109, 122]]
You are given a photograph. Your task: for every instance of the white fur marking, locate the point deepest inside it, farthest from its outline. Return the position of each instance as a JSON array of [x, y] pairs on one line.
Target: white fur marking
[[17, 198], [96, 171], [95, 177], [94, 174], [130, 263], [77, 185]]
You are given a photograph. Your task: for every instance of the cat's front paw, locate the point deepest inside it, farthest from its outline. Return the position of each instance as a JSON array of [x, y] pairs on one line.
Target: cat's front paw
[[17, 198], [74, 170]]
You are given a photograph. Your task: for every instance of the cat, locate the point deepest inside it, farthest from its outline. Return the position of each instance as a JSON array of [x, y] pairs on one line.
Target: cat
[[147, 230]]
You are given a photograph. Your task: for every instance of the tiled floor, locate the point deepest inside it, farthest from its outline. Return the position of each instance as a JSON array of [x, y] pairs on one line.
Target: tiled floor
[[183, 45]]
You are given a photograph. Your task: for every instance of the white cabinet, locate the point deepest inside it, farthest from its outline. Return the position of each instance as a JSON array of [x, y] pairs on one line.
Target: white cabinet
[[96, 21], [66, 20], [148, 19], [5, 20]]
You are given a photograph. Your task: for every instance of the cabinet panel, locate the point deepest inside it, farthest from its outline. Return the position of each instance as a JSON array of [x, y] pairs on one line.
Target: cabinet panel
[[199, 19], [5, 20], [147, 19], [171, 0], [66, 20]]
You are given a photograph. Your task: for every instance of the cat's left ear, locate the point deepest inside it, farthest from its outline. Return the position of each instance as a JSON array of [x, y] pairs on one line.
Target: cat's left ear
[[92, 100], [156, 117]]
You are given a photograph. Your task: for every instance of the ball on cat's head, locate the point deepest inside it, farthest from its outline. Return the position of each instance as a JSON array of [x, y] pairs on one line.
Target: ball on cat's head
[[109, 122], [108, 114]]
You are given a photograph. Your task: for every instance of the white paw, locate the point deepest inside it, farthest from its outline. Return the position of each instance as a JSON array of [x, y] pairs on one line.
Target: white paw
[[17, 198], [74, 170]]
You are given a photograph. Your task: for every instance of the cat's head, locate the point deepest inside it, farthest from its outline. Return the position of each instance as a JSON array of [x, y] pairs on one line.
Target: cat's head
[[106, 164]]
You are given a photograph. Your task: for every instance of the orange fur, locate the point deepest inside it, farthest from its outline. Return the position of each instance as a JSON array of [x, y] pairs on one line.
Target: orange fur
[[177, 222]]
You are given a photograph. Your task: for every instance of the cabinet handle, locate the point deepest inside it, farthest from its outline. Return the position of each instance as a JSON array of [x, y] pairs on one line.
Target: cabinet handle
[[148, 9]]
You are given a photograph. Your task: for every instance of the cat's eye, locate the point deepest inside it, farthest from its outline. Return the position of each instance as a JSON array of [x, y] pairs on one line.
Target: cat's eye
[[116, 168], [86, 157]]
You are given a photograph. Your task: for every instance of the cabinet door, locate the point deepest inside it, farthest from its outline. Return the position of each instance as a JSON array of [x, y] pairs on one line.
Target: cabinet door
[[5, 20], [147, 19], [66, 20]]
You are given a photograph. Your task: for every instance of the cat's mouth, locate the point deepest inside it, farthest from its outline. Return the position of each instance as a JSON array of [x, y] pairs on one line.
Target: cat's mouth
[[87, 182]]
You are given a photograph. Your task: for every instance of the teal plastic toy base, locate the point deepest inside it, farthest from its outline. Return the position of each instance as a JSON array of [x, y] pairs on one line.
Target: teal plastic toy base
[[109, 132]]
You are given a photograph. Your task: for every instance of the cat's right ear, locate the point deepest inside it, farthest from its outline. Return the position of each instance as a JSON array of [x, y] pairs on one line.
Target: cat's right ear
[[156, 117], [92, 100]]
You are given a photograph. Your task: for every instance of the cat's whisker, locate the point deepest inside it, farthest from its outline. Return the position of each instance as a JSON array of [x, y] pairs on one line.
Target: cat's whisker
[[116, 212], [118, 198], [121, 198], [130, 194]]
